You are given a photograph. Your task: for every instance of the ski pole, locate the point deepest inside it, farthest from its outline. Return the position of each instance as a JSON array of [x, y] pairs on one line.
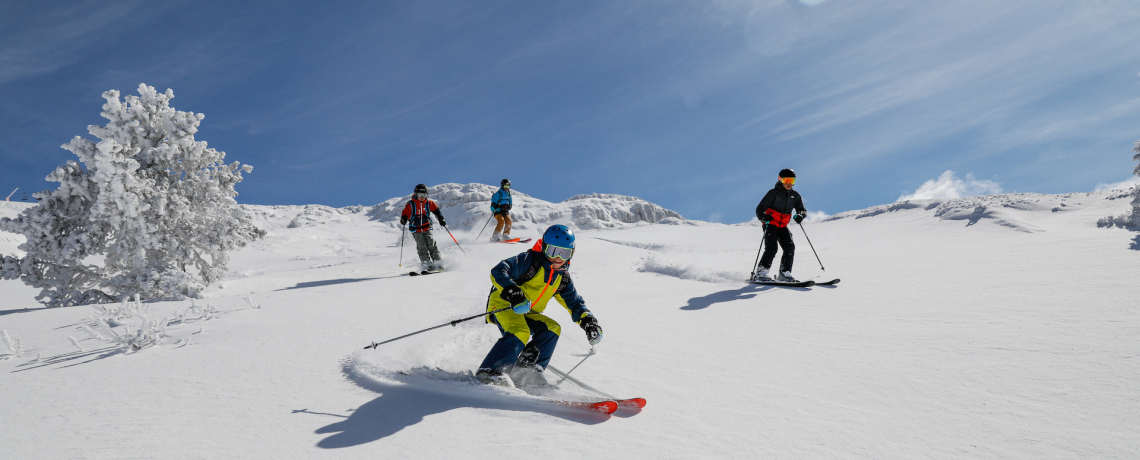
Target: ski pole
[[567, 375], [453, 323], [456, 242], [812, 247], [754, 264], [402, 229], [484, 227]]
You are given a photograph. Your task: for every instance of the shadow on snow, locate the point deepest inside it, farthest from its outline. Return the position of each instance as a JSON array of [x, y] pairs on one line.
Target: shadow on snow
[[312, 284], [402, 405], [747, 292]]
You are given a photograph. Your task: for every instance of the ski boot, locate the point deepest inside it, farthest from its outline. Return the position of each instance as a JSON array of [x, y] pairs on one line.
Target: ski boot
[[761, 275], [494, 377], [786, 277], [527, 373]]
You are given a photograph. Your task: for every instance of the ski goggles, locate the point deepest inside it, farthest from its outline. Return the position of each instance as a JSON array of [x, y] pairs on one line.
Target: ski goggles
[[508, 186], [558, 252], [788, 180], [422, 195]]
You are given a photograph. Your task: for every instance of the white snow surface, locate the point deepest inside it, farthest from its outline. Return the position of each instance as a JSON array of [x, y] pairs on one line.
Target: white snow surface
[[1002, 326]]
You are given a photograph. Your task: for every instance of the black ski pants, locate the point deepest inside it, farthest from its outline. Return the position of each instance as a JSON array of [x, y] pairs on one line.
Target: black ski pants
[[783, 236]]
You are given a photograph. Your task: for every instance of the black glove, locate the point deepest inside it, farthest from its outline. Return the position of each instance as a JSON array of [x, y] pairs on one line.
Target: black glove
[[799, 218], [403, 220], [506, 207], [593, 330], [442, 221], [513, 295], [766, 218]]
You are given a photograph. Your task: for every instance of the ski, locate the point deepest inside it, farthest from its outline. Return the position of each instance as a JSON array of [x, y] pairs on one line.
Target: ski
[[799, 284], [524, 241], [605, 407], [425, 272], [828, 283], [629, 402], [512, 240]]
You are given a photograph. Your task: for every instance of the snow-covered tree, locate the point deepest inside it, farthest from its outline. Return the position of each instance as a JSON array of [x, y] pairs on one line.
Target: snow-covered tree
[[146, 211], [1131, 218], [1135, 218]]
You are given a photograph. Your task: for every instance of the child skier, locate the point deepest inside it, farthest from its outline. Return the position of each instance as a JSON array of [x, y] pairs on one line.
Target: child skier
[[527, 282], [775, 211], [415, 216], [501, 208]]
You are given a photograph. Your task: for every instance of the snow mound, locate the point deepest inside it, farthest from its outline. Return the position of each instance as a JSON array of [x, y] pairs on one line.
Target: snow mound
[[468, 206]]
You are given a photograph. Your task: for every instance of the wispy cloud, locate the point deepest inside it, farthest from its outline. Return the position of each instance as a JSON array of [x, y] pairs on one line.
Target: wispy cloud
[[948, 185], [1122, 185], [38, 41]]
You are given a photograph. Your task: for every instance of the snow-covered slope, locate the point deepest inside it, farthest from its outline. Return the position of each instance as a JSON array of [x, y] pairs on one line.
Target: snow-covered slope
[[989, 327]]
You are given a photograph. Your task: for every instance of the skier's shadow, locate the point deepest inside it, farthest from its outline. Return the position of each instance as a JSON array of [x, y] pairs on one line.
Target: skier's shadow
[[401, 406], [746, 292], [311, 284]]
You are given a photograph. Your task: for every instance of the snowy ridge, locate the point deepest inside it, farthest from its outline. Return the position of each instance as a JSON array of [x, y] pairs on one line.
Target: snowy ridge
[[468, 206], [1015, 211]]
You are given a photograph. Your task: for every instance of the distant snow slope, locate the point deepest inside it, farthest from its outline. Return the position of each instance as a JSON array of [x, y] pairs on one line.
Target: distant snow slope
[[1015, 211], [467, 206], [984, 327]]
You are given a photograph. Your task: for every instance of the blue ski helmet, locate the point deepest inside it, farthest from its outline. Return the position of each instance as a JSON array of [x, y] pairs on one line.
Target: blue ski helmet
[[559, 236]]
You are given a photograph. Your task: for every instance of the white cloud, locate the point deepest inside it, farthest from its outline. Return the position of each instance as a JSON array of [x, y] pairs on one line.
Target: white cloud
[[1122, 185], [816, 216], [949, 186]]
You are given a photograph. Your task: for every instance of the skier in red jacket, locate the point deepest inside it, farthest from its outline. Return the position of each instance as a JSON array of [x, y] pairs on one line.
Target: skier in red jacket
[[416, 217], [775, 211]]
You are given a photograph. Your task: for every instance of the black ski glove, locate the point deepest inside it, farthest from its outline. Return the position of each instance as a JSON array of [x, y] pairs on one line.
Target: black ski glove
[[442, 222], [506, 207], [799, 218], [593, 330], [403, 220], [766, 218], [513, 295]]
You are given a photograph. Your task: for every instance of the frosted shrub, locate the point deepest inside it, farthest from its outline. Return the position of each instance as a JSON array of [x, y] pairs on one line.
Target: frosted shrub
[[146, 211], [13, 344], [1131, 218]]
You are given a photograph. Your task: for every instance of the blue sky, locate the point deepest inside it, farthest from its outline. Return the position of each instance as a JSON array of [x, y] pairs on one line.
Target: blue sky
[[694, 105]]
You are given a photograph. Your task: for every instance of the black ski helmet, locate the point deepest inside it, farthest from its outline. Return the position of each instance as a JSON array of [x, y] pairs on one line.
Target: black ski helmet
[[421, 188], [787, 173], [505, 183]]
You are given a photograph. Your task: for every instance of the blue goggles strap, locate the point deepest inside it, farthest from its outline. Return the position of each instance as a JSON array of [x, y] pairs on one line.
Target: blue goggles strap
[[559, 252]]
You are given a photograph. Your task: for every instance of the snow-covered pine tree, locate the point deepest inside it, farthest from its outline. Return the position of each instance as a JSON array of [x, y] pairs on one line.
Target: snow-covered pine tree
[[1134, 219], [150, 211], [1131, 218]]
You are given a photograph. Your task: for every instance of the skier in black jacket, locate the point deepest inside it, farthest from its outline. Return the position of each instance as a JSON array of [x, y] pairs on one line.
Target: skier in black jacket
[[775, 211]]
